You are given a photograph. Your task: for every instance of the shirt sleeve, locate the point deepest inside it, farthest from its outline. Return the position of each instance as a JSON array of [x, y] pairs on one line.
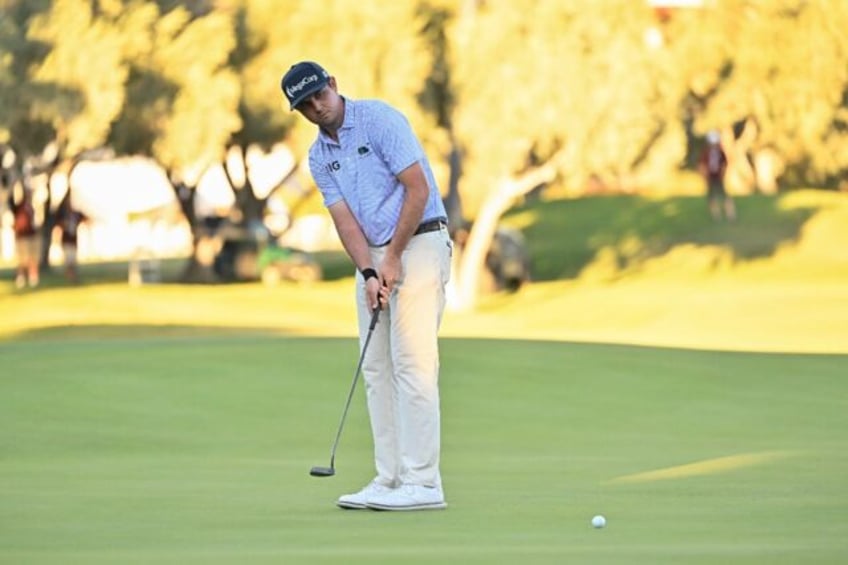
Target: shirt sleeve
[[324, 180], [395, 140]]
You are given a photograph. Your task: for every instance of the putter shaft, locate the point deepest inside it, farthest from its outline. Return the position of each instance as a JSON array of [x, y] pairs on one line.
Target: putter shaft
[[331, 470]]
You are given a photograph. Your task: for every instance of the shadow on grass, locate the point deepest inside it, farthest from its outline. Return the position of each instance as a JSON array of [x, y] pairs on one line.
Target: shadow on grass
[[567, 235], [456, 349], [146, 332], [99, 272], [334, 264]]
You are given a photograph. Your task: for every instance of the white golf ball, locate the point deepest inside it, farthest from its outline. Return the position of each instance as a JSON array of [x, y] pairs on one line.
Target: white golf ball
[[599, 521]]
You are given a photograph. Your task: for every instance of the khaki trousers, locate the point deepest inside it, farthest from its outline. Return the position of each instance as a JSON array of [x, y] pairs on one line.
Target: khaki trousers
[[401, 366]]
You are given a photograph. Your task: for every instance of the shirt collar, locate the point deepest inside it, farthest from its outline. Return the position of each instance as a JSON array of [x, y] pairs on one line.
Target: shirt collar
[[349, 120], [350, 113]]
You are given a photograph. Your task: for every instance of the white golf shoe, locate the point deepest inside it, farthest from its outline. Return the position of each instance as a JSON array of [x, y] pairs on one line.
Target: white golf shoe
[[408, 497], [357, 500]]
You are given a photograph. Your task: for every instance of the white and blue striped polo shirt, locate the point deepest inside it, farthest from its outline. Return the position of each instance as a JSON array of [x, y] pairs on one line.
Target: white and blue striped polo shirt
[[375, 143]]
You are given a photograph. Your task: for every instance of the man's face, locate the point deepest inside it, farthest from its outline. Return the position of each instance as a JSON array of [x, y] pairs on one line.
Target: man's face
[[325, 108]]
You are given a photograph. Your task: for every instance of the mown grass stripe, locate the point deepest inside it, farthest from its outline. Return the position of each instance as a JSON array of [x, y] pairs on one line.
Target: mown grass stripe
[[705, 467]]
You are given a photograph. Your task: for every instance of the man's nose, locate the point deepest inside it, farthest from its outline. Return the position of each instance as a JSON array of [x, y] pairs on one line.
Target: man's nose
[[312, 103]]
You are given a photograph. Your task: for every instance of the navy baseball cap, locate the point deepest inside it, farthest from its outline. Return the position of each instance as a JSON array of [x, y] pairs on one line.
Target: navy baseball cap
[[303, 80]]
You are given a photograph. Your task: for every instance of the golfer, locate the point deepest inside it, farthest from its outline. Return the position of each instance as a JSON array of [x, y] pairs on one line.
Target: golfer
[[380, 191]]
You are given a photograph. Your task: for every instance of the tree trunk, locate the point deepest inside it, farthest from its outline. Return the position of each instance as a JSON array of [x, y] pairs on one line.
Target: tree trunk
[[768, 166], [453, 200], [46, 229], [204, 247], [740, 177], [213, 240], [472, 261], [249, 207]]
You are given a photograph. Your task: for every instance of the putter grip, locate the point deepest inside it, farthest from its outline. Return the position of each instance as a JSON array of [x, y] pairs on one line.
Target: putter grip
[[374, 319]]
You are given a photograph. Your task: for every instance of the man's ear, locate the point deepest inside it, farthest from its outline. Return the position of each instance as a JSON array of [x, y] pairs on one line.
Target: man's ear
[[331, 82]]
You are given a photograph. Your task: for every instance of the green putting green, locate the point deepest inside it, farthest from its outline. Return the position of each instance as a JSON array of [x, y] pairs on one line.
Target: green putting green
[[196, 449]]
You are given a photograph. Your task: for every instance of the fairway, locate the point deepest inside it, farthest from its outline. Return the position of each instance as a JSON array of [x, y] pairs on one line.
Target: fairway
[[196, 449]]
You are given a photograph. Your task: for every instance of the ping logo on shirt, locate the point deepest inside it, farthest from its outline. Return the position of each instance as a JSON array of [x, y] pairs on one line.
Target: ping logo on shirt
[[334, 166]]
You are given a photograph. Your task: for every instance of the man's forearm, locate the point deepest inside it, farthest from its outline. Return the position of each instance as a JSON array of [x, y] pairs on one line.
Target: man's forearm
[[411, 212], [350, 233], [356, 246]]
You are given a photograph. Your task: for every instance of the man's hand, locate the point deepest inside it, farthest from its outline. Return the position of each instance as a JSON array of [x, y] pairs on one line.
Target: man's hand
[[373, 293], [391, 273]]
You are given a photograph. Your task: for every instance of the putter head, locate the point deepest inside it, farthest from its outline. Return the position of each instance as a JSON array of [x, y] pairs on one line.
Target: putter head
[[322, 471]]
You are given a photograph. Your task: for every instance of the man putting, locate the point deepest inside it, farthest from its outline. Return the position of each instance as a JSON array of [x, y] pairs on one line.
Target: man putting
[[380, 191]]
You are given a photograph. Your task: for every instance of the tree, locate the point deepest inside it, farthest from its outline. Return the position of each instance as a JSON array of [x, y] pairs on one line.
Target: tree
[[62, 88], [552, 93], [789, 103], [182, 98], [248, 100], [366, 45], [564, 97]]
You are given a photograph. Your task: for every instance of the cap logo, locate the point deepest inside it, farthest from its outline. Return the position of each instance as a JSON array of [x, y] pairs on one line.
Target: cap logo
[[295, 88]]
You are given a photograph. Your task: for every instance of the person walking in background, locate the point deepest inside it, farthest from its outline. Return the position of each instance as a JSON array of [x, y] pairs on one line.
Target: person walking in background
[[380, 191], [27, 239], [69, 220], [712, 165]]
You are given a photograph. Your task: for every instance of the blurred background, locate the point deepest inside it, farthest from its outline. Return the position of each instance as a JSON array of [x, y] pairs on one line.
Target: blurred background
[[648, 311], [567, 138]]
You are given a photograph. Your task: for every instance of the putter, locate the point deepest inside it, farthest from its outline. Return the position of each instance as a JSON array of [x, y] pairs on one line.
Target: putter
[[331, 470]]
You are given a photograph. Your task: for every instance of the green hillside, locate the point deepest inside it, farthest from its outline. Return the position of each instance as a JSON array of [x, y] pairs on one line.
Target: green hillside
[[618, 269], [628, 232]]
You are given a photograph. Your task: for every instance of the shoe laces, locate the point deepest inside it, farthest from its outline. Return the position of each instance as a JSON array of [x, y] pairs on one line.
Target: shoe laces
[[375, 487]]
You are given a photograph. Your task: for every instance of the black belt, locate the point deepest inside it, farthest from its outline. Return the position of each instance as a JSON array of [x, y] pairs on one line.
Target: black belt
[[432, 225], [424, 227]]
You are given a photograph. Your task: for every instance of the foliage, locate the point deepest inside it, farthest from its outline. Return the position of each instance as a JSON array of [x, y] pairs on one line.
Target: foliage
[[371, 47], [569, 90], [793, 95], [182, 102], [570, 96], [85, 102], [63, 77], [579, 81]]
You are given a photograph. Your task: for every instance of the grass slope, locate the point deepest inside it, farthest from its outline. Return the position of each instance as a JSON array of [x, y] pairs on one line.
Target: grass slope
[[614, 269], [627, 233]]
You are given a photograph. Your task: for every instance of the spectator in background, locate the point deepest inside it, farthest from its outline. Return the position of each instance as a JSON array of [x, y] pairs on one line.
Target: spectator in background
[[713, 165], [27, 239], [69, 220]]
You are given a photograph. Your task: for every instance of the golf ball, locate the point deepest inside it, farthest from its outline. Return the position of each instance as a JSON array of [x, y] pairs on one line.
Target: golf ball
[[599, 521]]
